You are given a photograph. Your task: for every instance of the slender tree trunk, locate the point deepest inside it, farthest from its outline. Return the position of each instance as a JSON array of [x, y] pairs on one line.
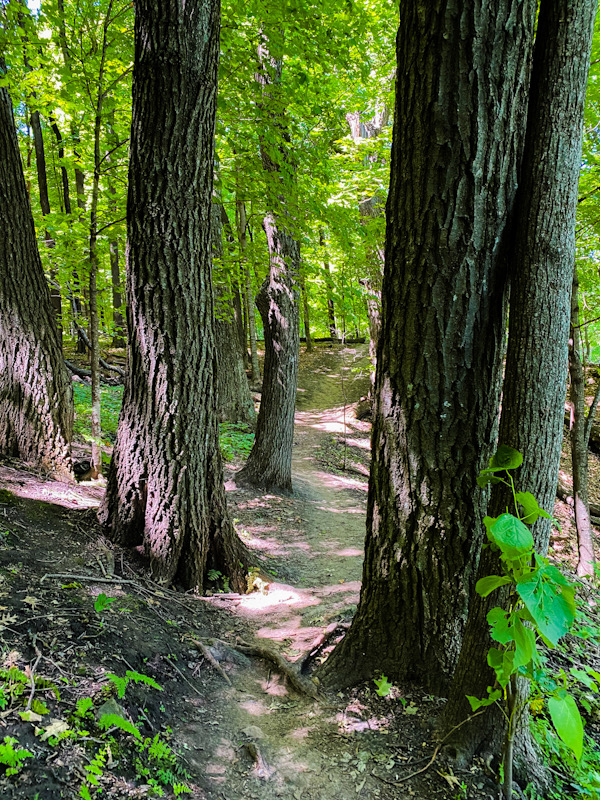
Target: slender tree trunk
[[40, 162], [66, 192], [242, 222], [94, 328], [580, 431], [36, 396], [234, 400], [536, 364], [115, 266], [269, 464], [165, 490], [440, 354], [306, 314], [329, 287]]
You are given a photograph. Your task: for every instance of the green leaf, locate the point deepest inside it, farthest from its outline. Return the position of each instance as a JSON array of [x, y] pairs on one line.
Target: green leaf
[[550, 603], [485, 586], [384, 687], [567, 721], [486, 476], [506, 458], [531, 509], [511, 536], [500, 628], [114, 720], [525, 649]]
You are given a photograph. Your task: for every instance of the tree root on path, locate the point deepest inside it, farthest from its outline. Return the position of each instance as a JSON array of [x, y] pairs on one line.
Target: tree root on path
[[288, 670]]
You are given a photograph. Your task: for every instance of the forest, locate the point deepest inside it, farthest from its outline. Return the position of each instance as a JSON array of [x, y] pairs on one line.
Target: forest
[[299, 373]]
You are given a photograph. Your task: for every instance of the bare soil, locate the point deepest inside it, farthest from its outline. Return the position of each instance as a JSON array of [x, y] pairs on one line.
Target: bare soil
[[239, 727]]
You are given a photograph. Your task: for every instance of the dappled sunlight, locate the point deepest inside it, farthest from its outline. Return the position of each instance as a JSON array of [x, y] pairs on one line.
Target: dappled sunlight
[[274, 686], [254, 707], [275, 597], [31, 486]]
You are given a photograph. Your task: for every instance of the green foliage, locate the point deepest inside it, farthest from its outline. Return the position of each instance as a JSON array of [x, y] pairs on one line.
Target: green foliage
[[13, 758], [111, 399], [135, 677], [214, 576], [115, 720], [541, 605], [103, 602], [384, 687], [235, 441]]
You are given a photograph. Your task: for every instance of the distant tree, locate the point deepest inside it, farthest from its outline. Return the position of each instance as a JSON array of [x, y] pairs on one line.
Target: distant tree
[[165, 490], [269, 464], [36, 395]]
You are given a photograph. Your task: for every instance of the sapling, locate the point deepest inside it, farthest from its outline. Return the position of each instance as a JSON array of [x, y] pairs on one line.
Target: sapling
[[540, 606]]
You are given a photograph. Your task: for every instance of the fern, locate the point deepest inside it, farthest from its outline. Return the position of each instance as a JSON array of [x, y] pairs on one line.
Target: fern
[[84, 704], [181, 788], [16, 675], [11, 758], [139, 677], [109, 720]]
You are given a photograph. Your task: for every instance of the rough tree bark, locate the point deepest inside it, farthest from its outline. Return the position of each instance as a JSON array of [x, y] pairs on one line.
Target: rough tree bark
[[165, 491], [536, 364], [461, 91], [269, 464], [36, 396]]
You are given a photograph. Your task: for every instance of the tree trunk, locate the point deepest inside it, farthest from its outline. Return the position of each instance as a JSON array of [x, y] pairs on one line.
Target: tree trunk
[[536, 364], [165, 490], [269, 464], [306, 312], [242, 222], [461, 89], [329, 287], [36, 396], [580, 430], [118, 339], [234, 400]]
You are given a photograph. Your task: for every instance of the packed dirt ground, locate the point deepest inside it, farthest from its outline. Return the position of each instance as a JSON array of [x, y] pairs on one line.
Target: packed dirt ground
[[75, 610]]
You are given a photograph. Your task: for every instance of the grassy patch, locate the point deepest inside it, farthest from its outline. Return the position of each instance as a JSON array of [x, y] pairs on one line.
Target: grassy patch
[[235, 440]]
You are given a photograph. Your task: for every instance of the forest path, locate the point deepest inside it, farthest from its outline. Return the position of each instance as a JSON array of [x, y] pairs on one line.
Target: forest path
[[311, 544]]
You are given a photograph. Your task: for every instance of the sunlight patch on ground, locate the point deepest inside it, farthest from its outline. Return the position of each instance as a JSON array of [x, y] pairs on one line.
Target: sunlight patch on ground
[[31, 486], [340, 481], [256, 708], [276, 596]]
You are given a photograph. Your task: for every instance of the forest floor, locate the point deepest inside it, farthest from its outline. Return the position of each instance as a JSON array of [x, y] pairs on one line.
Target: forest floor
[[75, 610]]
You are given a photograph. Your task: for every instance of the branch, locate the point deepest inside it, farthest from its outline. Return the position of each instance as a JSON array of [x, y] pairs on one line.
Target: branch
[[103, 363], [110, 224], [589, 420]]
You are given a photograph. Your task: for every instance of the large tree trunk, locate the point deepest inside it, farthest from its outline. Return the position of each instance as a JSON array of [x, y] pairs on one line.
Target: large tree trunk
[[536, 364], [165, 490], [36, 396], [269, 464], [461, 90]]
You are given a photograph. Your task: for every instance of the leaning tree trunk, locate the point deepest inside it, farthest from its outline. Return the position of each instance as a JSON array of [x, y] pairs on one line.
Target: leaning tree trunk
[[36, 396], [165, 490], [269, 464], [440, 354], [536, 365]]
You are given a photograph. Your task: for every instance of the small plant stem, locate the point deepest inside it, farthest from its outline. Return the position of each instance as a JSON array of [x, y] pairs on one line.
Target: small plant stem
[[511, 696]]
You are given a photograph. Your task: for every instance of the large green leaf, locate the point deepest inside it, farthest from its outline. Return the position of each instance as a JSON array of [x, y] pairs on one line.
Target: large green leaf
[[567, 721], [500, 627], [506, 458], [485, 586], [511, 536], [525, 649], [551, 604]]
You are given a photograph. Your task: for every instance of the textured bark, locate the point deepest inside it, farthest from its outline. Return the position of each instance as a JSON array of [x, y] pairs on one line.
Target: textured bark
[[536, 364], [580, 431], [269, 464], [242, 222], [305, 312], [36, 397], [235, 402], [165, 490], [461, 88]]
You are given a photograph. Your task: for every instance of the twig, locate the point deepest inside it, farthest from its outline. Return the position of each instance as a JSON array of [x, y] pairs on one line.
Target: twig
[[92, 578], [180, 673], [439, 747], [211, 660], [32, 674]]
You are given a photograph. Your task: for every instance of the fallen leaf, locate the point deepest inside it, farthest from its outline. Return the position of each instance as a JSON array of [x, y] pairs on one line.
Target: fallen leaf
[[56, 727], [32, 601], [30, 716]]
